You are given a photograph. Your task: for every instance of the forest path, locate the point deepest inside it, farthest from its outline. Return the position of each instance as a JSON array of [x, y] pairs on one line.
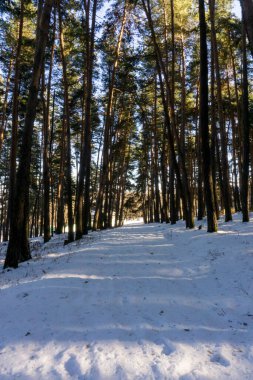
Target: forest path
[[139, 302]]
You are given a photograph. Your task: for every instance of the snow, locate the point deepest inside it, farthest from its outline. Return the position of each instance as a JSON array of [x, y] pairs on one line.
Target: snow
[[139, 302]]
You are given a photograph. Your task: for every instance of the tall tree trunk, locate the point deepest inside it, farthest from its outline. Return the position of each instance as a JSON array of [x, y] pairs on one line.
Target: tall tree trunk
[[66, 117], [155, 162], [200, 197], [164, 175], [214, 157], [83, 190], [14, 128], [247, 9], [87, 144], [50, 153], [60, 199], [173, 216], [164, 153], [18, 248], [203, 123], [245, 135], [237, 203], [224, 156], [46, 131]]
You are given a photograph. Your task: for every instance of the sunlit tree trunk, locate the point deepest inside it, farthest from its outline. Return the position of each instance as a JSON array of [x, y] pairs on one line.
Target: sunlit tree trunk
[[215, 160], [46, 131]]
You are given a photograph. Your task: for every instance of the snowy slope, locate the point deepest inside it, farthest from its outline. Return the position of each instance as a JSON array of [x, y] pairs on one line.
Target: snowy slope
[[139, 302]]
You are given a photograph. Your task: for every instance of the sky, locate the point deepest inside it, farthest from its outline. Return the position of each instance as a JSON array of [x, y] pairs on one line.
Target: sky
[[237, 8]]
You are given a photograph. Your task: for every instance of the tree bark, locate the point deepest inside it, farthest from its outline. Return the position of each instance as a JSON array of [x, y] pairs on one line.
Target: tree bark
[[247, 9], [83, 191], [46, 131], [14, 127], [66, 118], [226, 193], [18, 248], [245, 135], [204, 123]]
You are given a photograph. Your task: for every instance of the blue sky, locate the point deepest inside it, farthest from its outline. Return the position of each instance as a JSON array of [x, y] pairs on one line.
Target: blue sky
[[237, 8]]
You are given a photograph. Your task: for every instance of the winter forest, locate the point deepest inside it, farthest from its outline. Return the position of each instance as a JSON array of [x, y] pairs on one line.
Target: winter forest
[[122, 109], [126, 189]]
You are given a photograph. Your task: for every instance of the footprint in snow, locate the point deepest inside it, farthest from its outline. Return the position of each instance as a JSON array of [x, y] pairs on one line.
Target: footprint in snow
[[22, 295], [167, 346], [119, 372], [59, 355], [72, 367], [156, 372], [167, 350], [220, 359]]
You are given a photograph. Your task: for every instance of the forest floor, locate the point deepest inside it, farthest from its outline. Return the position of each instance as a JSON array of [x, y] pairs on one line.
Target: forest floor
[[139, 302]]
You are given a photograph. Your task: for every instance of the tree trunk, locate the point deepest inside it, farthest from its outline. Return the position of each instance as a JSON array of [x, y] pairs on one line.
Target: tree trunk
[[18, 248], [66, 118], [60, 199], [214, 157], [245, 135], [203, 123], [155, 162], [46, 130], [237, 203], [14, 128], [164, 172], [83, 190], [247, 9], [226, 195]]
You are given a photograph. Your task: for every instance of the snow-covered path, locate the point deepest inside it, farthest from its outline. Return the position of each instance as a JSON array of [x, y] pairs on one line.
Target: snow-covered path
[[139, 302]]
